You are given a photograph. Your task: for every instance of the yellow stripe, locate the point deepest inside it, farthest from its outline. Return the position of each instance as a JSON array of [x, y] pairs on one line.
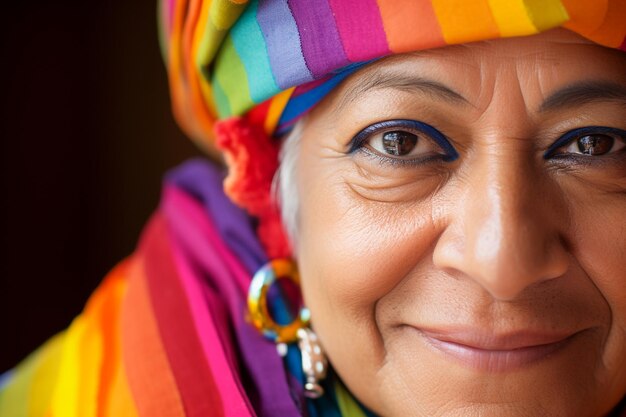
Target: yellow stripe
[[278, 104], [464, 21], [45, 376], [546, 14], [224, 13], [512, 18], [65, 395]]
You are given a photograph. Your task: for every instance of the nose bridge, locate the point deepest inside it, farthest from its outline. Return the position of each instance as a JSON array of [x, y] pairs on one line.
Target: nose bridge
[[506, 224], [501, 218]]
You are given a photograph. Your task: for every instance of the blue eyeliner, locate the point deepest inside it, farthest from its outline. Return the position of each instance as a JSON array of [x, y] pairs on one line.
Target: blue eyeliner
[[580, 132], [360, 138]]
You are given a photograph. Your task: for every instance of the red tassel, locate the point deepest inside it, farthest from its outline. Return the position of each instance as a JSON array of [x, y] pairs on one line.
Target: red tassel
[[252, 158]]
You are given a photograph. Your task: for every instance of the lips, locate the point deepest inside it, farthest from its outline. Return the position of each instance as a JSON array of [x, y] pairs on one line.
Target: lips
[[491, 352]]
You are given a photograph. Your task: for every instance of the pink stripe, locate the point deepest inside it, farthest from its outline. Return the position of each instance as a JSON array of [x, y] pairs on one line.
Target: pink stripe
[[196, 227], [361, 28], [209, 324]]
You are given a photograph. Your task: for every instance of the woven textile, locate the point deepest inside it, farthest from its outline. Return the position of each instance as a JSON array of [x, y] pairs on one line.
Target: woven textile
[[280, 57]]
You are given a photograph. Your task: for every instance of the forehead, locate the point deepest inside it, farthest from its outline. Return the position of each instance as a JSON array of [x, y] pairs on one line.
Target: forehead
[[538, 65]]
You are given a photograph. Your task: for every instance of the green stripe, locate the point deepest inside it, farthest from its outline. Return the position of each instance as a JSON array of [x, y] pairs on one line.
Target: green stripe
[[208, 47], [221, 101], [230, 74], [251, 48]]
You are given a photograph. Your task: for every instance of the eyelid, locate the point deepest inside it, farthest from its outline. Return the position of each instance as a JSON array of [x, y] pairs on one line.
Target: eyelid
[[582, 131], [360, 138]]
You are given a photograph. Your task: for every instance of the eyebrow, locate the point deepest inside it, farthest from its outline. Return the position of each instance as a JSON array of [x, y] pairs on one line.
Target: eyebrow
[[402, 82], [584, 93]]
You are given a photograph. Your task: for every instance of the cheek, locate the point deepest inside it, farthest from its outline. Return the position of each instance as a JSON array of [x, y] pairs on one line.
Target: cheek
[[351, 253], [600, 247]]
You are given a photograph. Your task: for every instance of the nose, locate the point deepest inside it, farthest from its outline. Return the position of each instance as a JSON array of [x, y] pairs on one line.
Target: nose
[[505, 231]]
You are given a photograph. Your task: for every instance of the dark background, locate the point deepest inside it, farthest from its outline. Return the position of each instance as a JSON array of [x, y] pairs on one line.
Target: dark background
[[86, 133]]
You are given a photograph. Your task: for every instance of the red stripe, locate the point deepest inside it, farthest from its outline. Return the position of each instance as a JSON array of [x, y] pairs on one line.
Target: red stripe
[[258, 113], [193, 376]]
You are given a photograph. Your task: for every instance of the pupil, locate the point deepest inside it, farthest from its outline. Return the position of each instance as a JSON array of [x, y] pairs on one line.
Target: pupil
[[595, 144], [398, 142]]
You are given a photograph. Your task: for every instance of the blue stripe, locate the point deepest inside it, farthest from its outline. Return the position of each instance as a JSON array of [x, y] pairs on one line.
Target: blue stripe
[[250, 46], [283, 43], [299, 105]]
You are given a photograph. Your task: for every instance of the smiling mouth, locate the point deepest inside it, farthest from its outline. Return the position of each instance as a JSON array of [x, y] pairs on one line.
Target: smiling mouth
[[492, 353]]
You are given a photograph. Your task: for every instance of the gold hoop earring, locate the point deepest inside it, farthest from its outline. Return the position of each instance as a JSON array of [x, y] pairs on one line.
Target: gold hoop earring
[[257, 302], [314, 363]]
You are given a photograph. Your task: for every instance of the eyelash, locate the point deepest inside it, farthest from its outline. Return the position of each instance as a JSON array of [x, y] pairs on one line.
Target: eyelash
[[575, 134], [360, 139]]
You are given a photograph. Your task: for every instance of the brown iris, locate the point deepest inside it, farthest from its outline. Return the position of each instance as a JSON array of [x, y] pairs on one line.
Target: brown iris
[[595, 144], [399, 142]]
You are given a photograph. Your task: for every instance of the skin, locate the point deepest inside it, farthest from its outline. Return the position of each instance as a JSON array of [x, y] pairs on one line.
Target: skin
[[501, 242]]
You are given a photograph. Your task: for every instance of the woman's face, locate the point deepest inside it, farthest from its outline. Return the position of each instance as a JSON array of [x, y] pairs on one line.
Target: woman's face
[[462, 229]]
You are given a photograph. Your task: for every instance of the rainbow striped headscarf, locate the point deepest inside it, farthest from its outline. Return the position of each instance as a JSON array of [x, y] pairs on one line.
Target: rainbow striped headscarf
[[275, 59]]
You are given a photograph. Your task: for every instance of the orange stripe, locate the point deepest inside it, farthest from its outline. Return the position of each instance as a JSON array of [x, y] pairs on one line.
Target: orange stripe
[[277, 105], [197, 100], [613, 29], [199, 109], [465, 21], [120, 403], [182, 106], [109, 318], [178, 89], [148, 370], [410, 25], [91, 350], [585, 16]]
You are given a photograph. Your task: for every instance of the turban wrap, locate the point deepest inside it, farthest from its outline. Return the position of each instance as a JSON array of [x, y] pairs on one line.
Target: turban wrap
[[275, 59], [242, 72]]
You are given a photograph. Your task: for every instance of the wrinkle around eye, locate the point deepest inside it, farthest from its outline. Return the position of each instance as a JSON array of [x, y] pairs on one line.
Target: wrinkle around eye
[[596, 178], [393, 186]]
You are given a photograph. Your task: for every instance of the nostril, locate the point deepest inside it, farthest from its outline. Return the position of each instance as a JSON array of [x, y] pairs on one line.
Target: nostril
[[504, 261]]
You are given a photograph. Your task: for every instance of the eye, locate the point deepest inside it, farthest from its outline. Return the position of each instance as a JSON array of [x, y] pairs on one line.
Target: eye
[[598, 144], [589, 141], [404, 140], [398, 142]]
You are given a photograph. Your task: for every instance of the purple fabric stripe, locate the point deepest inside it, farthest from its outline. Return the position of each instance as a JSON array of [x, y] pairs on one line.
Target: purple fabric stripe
[[283, 43], [321, 44], [204, 182], [361, 28], [264, 372]]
